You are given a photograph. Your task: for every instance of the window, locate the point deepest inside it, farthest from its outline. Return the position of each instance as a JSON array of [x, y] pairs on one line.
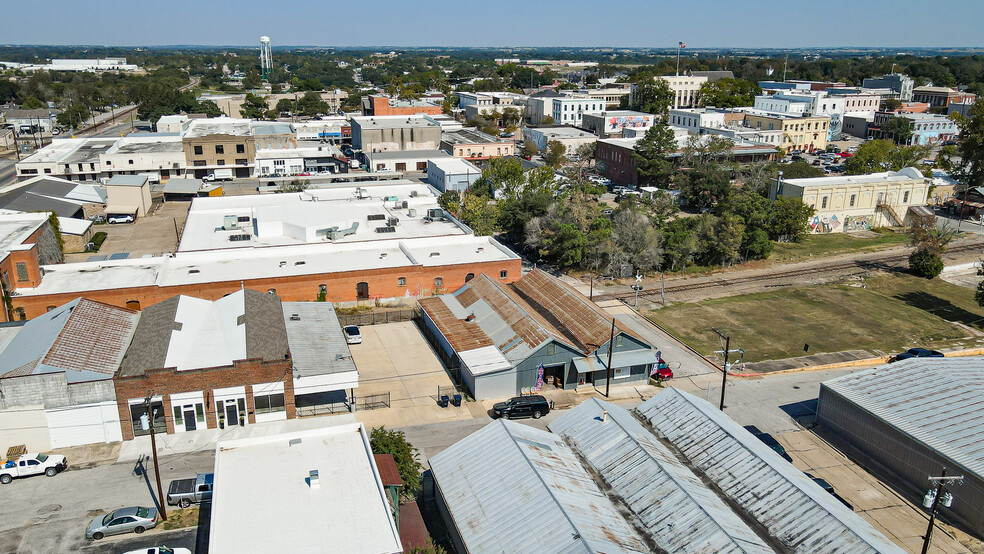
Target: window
[[22, 272], [240, 149], [853, 196], [46, 170], [220, 162], [219, 149], [198, 150], [133, 304], [469, 277], [618, 341], [823, 203], [438, 282], [905, 197], [49, 308], [401, 282], [242, 161], [551, 349], [269, 404], [271, 291], [131, 162], [503, 274], [323, 289]]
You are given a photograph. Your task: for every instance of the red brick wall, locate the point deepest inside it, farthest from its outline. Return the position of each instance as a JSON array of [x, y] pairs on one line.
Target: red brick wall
[[341, 286], [620, 165], [164, 382]]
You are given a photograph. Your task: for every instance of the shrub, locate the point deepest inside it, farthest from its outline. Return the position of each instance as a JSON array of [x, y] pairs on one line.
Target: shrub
[[926, 264], [97, 240]]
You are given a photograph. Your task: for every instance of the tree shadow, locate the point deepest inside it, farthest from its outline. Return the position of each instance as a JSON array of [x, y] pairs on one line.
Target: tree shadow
[[941, 308]]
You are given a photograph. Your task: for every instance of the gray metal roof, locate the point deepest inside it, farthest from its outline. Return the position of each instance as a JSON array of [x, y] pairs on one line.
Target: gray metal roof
[[945, 411], [680, 512], [316, 339], [513, 488], [127, 181], [794, 509]]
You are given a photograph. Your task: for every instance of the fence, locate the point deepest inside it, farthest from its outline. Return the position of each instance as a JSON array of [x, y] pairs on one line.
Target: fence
[[373, 401], [323, 409], [380, 317]]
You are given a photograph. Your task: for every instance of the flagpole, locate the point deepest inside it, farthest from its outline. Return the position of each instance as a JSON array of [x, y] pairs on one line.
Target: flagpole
[[678, 60]]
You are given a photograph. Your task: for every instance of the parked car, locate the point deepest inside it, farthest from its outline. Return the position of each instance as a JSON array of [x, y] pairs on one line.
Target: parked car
[[817, 161], [797, 158], [663, 370], [770, 441], [32, 464], [534, 406], [827, 487], [125, 218], [352, 334], [219, 175], [185, 492], [846, 155], [125, 520], [917, 353], [160, 550]]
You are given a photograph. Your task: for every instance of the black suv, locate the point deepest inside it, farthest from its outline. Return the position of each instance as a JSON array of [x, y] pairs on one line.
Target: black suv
[[516, 407]]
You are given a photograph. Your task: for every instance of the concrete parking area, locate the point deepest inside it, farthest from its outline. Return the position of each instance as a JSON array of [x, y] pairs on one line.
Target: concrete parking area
[[155, 234], [395, 358]]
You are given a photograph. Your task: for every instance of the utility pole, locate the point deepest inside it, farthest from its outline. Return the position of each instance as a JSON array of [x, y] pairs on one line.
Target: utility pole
[[724, 373], [933, 499], [161, 501], [608, 370]]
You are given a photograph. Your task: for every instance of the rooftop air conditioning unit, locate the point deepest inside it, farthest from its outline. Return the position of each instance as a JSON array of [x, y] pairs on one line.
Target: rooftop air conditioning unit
[[230, 222], [295, 317], [393, 221], [412, 212]]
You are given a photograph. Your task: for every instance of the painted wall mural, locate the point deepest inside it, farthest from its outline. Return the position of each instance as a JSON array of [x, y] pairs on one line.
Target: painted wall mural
[[824, 224], [858, 222], [617, 123]]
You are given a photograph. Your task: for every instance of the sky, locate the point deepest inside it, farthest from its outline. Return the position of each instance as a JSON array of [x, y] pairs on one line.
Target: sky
[[498, 23]]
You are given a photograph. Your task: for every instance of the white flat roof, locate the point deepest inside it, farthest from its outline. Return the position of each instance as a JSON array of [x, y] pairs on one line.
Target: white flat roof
[[906, 174], [301, 218], [264, 503], [265, 263], [455, 165]]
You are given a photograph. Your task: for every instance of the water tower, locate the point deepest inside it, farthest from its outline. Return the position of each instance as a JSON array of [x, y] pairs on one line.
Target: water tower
[[266, 57]]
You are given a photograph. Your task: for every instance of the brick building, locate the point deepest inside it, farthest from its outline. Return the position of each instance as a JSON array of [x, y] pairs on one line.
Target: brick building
[[348, 244], [207, 364], [384, 105], [26, 242]]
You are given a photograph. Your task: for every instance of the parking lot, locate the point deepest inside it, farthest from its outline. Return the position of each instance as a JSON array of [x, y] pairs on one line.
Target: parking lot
[[155, 234], [395, 358]]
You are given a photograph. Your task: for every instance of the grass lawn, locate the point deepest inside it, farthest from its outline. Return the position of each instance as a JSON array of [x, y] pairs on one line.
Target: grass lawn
[[835, 243], [894, 312]]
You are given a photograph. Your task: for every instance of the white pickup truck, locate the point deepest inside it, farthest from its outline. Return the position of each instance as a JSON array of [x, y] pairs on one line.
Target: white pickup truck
[[32, 464]]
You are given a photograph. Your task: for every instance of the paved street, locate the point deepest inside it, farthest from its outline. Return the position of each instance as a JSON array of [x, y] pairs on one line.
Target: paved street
[[7, 171]]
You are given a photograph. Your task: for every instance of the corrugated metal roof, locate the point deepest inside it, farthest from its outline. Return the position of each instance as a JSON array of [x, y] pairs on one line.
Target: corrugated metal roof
[[84, 339], [599, 362], [316, 339], [794, 509], [680, 512], [945, 411], [512, 488]]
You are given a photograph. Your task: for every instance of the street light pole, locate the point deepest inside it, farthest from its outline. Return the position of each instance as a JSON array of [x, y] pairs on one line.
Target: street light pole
[[157, 469], [724, 372]]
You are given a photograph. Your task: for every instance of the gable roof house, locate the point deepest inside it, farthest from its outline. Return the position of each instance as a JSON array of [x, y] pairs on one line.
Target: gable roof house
[[512, 338]]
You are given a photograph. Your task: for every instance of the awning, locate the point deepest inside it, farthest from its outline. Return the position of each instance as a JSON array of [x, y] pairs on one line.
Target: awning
[[486, 359], [599, 362], [131, 210], [177, 185]]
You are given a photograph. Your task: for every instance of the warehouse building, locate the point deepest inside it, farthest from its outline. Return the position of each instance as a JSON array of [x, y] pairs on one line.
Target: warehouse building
[[509, 339], [916, 431]]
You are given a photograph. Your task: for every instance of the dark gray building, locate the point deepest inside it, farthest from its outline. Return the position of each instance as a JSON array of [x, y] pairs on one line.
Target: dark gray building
[[913, 418], [500, 335]]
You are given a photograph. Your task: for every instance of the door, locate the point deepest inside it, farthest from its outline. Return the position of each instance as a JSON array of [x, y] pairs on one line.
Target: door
[[362, 291], [232, 414], [29, 467], [401, 166], [190, 420], [121, 525]]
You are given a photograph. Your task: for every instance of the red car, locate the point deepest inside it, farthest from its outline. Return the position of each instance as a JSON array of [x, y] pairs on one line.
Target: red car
[[305, 174], [663, 371], [846, 155]]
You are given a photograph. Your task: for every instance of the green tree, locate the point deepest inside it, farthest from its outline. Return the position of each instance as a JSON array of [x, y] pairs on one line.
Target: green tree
[[383, 441], [9, 90], [971, 147], [295, 185], [311, 104], [703, 187], [651, 153], [548, 120], [209, 108], [480, 213], [899, 128], [285, 105], [650, 94], [32, 103], [790, 219], [728, 93], [254, 107], [555, 153], [870, 157], [634, 234], [73, 116], [890, 104], [927, 264], [800, 170], [529, 149]]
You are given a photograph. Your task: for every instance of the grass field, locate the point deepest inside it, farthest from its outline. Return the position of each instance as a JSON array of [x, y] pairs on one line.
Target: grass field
[[835, 243], [892, 313]]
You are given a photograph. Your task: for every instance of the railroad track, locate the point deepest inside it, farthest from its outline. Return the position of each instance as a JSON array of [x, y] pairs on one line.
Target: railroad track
[[857, 267]]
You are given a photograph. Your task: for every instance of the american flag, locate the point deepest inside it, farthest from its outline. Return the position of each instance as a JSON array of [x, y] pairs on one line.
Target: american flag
[[683, 45]]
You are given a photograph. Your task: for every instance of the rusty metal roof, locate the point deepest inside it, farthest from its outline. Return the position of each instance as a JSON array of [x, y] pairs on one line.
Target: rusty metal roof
[[513, 488], [945, 411], [673, 505], [84, 338], [793, 508], [388, 472]]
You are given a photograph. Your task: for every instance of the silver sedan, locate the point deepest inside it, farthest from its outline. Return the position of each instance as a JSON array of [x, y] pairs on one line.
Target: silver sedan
[[120, 521]]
